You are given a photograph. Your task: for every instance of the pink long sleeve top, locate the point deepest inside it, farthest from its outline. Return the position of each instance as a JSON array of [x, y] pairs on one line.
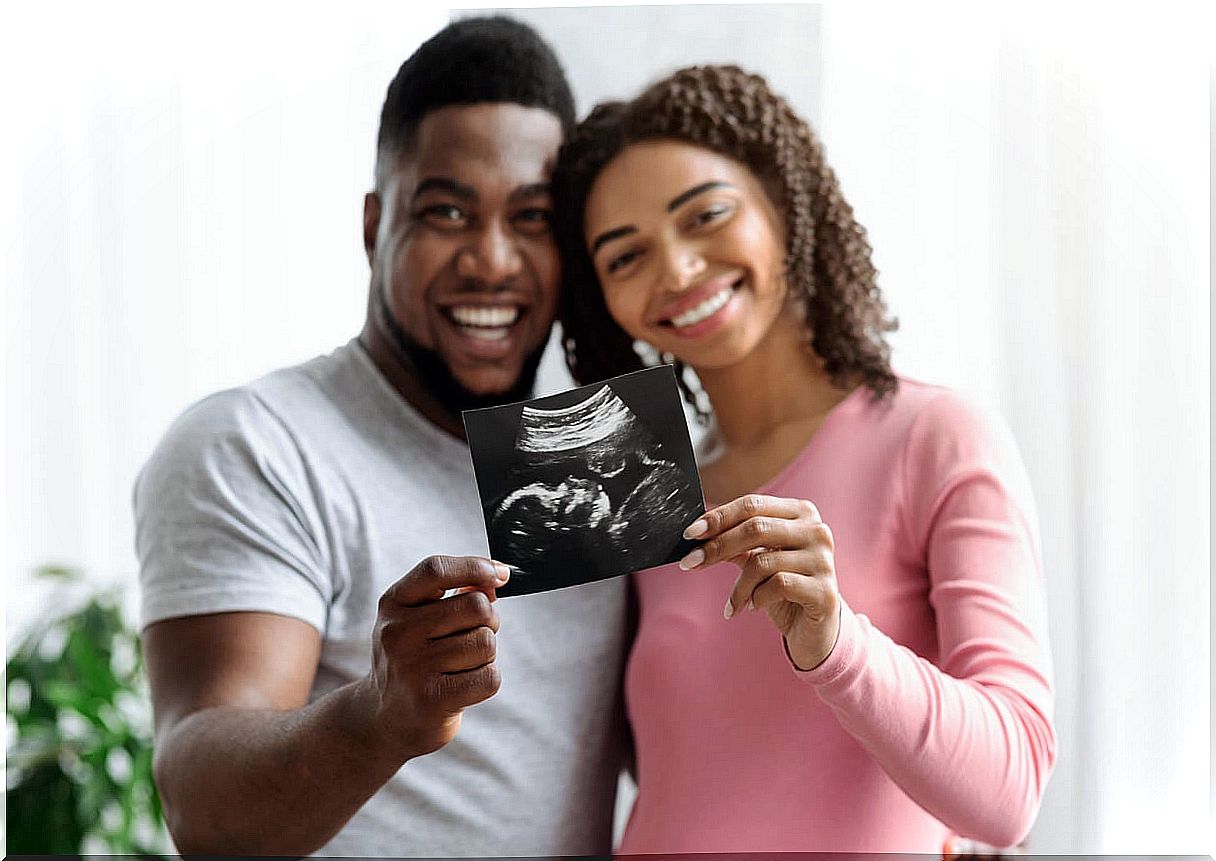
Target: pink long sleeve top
[[933, 712]]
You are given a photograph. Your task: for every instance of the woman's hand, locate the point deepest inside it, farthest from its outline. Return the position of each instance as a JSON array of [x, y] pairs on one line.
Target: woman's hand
[[785, 551]]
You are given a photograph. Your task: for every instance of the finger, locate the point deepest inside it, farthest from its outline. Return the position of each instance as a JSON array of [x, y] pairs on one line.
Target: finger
[[433, 576], [787, 587], [466, 650], [454, 615], [777, 533], [807, 564], [461, 690], [718, 520], [491, 594]]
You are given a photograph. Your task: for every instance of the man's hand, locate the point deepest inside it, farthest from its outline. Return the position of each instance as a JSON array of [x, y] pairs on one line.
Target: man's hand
[[433, 657], [240, 750]]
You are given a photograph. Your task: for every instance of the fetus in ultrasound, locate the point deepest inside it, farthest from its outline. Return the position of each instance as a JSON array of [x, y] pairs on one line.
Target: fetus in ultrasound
[[594, 494]]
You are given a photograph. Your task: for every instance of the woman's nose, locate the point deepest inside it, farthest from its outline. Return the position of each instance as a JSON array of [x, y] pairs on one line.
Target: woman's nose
[[684, 265]]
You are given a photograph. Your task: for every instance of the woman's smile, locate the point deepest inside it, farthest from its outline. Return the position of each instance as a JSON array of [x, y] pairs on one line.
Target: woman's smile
[[689, 249], [705, 309]]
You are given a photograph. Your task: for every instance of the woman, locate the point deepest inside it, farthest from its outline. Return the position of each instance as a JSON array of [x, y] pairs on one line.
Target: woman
[[881, 677]]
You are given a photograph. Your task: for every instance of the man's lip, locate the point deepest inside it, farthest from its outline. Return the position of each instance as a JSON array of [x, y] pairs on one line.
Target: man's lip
[[448, 305], [447, 310], [697, 295]]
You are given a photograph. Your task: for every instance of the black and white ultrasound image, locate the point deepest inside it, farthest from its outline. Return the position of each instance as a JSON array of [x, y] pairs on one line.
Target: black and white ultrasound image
[[587, 484]]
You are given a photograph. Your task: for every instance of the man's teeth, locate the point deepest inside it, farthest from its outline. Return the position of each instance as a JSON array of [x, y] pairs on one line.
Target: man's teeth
[[493, 319], [704, 310], [484, 334]]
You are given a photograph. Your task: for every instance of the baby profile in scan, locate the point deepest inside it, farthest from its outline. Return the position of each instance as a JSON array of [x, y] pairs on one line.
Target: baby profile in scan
[[593, 495]]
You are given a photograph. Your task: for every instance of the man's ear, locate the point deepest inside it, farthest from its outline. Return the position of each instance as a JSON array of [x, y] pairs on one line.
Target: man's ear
[[371, 223]]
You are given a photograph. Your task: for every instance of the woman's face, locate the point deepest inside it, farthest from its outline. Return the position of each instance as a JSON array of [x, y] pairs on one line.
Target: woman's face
[[689, 251]]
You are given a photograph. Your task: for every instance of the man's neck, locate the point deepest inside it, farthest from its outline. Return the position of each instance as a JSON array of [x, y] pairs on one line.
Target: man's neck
[[403, 376]]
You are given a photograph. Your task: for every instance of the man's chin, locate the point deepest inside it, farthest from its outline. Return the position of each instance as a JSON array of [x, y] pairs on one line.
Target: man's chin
[[472, 395], [456, 391], [452, 393]]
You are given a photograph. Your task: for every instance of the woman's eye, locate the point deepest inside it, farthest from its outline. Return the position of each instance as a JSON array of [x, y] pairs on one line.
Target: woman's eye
[[621, 261], [711, 214]]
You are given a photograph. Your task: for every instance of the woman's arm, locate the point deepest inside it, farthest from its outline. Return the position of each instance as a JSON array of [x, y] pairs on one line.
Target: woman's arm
[[970, 739]]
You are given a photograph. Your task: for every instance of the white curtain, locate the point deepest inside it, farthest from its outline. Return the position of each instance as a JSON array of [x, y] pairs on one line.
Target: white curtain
[[180, 212], [1035, 182]]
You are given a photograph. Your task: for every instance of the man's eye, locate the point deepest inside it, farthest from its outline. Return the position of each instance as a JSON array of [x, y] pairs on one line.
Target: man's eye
[[444, 214], [534, 220], [622, 260]]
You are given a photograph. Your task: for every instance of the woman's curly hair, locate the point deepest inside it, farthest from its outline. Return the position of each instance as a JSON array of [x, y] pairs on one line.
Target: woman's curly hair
[[733, 113]]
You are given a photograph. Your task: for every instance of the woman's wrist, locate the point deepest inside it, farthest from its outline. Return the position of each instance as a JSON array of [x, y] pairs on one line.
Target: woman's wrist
[[814, 664]]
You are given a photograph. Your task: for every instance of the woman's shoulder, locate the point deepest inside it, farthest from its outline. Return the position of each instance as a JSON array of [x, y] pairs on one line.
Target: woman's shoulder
[[945, 416], [919, 411], [950, 433]]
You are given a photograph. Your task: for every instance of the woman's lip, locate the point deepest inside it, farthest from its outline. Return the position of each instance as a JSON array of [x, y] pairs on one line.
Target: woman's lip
[[697, 295], [710, 324]]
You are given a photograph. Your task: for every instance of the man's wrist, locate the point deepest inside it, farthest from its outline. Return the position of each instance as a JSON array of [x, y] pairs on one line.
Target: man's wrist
[[362, 712]]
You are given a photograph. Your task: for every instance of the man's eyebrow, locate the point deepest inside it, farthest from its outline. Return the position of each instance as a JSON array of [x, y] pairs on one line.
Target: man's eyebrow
[[686, 196], [445, 183], [536, 189], [609, 235]]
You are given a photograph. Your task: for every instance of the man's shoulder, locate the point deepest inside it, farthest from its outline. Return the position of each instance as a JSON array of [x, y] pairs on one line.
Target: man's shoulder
[[272, 403]]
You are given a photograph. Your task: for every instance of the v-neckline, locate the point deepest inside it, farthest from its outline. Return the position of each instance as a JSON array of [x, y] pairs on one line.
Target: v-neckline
[[803, 454]]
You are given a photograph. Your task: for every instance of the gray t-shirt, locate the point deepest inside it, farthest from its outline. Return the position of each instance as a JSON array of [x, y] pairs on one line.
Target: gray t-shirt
[[307, 493]]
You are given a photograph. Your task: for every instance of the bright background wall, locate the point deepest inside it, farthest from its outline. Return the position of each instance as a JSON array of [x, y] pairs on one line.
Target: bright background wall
[[181, 205]]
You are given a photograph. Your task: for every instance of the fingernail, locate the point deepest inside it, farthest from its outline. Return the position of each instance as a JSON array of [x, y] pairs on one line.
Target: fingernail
[[697, 527], [502, 571], [692, 560], [728, 610]]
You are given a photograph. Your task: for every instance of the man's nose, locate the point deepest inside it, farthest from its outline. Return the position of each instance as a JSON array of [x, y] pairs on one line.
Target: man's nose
[[491, 255]]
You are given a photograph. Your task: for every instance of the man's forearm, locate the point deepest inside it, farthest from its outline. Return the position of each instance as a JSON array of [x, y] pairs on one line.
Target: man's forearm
[[256, 781]]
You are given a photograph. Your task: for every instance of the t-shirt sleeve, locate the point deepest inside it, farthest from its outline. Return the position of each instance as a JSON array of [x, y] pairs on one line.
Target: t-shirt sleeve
[[969, 738], [224, 521]]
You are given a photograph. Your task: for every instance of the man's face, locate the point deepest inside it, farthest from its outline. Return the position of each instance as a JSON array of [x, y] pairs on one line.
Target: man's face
[[463, 249]]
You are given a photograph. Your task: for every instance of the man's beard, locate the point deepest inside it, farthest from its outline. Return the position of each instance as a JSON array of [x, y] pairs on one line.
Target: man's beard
[[433, 372]]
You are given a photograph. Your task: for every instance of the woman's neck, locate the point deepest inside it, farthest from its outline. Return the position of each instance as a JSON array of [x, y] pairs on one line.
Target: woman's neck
[[780, 383]]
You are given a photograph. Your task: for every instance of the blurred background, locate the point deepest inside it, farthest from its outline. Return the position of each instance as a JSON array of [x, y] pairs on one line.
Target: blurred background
[[182, 193]]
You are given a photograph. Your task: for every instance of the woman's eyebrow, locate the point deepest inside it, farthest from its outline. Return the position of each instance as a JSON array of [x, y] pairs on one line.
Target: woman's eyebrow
[[677, 201], [609, 235], [685, 196]]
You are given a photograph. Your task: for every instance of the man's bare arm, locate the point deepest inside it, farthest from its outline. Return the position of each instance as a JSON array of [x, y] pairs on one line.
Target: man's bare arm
[[245, 765]]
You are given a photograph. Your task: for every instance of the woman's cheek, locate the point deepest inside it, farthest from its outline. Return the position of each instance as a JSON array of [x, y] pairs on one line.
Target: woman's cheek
[[627, 314]]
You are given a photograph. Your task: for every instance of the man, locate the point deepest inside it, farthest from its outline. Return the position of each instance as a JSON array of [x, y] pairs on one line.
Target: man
[[308, 697]]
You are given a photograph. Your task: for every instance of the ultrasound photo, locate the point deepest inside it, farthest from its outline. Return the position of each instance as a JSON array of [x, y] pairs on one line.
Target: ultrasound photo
[[587, 484]]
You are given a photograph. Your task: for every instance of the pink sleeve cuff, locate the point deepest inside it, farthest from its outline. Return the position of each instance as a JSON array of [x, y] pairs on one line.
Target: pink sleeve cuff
[[845, 655]]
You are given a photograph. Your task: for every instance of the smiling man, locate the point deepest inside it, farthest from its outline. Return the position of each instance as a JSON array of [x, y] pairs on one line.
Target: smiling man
[[330, 668]]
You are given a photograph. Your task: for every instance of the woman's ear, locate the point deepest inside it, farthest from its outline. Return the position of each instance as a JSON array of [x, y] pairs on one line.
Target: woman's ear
[[371, 223]]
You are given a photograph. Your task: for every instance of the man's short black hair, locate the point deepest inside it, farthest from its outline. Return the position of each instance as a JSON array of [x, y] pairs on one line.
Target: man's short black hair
[[474, 60]]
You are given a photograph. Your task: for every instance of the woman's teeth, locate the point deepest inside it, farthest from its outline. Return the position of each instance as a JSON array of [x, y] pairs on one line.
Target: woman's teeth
[[707, 308], [485, 324]]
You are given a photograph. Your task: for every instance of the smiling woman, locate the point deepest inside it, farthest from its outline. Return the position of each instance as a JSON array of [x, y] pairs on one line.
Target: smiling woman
[[900, 687]]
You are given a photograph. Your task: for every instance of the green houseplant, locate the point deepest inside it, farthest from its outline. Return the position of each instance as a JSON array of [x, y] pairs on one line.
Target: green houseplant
[[80, 736]]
